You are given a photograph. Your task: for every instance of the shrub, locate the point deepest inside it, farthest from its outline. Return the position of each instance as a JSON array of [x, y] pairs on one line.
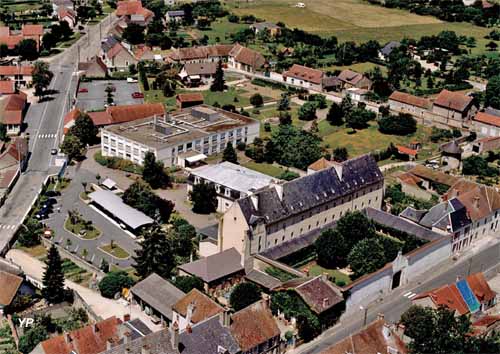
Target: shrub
[[113, 283]]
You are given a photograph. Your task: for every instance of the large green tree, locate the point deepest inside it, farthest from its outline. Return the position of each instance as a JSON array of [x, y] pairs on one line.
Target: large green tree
[[153, 172], [27, 49], [188, 283], [244, 294], [307, 111], [155, 254], [355, 226], [218, 84], [84, 129], [30, 233], [204, 198], [366, 257], [41, 77], [134, 34], [358, 118], [335, 116], [140, 196], [229, 154], [331, 249], [402, 124], [31, 337], [114, 282], [492, 94], [72, 147], [53, 278]]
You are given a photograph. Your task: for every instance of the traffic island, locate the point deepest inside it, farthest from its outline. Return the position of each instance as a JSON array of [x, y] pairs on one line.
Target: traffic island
[[80, 227], [115, 251]]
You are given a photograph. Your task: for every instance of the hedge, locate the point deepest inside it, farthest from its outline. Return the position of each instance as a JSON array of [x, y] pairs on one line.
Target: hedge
[[117, 163]]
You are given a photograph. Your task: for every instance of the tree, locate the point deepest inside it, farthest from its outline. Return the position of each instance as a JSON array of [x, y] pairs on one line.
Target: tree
[[144, 77], [4, 50], [244, 294], [285, 118], [154, 255], [188, 283], [355, 226], [492, 46], [182, 237], [168, 89], [358, 118], [65, 30], [256, 100], [204, 198], [284, 103], [153, 172], [27, 49], [3, 132], [49, 40], [84, 129], [492, 94], [53, 278], [113, 283], [366, 257], [41, 77], [340, 154], [218, 85], [133, 34], [331, 249], [229, 154], [477, 165], [32, 337], [140, 196], [72, 147], [288, 175], [402, 124], [307, 111], [104, 266], [30, 232], [335, 115]]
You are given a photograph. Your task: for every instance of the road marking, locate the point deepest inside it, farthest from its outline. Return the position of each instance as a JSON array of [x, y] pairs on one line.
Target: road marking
[[46, 136], [7, 227], [410, 295]]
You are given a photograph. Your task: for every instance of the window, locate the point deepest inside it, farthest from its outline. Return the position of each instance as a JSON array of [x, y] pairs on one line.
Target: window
[[206, 140], [180, 148], [189, 146], [214, 138]]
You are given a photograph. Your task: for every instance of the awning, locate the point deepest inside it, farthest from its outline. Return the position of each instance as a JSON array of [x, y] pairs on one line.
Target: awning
[[196, 158], [109, 183], [195, 77]]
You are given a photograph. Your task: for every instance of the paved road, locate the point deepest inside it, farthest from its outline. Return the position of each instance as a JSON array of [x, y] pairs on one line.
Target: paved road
[[44, 121], [394, 305]]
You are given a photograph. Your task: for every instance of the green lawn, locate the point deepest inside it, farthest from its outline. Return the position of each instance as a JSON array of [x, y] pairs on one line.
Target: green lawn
[[359, 67], [268, 169], [335, 275], [221, 30], [370, 139], [115, 251], [38, 251], [74, 273], [90, 233]]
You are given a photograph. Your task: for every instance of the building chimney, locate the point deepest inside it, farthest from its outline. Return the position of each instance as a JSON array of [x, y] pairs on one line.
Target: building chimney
[[326, 302], [255, 201], [95, 329], [380, 316], [476, 201], [145, 349], [189, 329], [189, 312], [225, 318], [174, 335], [126, 317], [267, 300]]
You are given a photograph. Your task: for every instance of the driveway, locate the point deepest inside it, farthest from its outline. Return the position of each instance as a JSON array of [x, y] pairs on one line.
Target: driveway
[[109, 230], [95, 98]]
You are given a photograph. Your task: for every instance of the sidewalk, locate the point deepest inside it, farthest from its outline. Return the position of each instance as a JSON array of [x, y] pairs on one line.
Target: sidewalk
[[103, 307]]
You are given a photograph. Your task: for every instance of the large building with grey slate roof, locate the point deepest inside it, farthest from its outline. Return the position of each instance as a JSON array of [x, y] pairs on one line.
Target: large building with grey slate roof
[[287, 211]]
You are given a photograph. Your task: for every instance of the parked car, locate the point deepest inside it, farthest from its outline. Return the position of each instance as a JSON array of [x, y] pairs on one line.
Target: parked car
[[52, 194], [53, 151], [83, 90], [131, 80], [137, 95]]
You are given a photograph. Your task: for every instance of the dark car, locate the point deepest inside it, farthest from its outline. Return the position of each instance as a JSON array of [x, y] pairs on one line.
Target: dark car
[[137, 95], [52, 194]]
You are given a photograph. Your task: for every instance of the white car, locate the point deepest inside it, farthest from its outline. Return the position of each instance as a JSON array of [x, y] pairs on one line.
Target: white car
[[131, 80]]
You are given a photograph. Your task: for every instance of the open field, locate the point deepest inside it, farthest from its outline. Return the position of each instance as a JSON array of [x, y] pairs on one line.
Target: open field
[[354, 20]]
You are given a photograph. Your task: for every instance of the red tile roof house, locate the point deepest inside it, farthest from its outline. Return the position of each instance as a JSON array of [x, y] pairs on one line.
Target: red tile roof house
[[185, 100], [454, 105], [193, 308], [483, 145], [68, 15], [406, 152], [245, 59], [7, 87], [12, 162], [406, 103], [203, 54], [117, 114], [134, 12], [12, 110], [119, 57], [349, 79], [34, 32], [303, 76], [486, 124], [22, 75]]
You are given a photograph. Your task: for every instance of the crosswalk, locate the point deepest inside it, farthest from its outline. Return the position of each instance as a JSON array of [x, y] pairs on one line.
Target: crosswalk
[[8, 227], [410, 295], [46, 136]]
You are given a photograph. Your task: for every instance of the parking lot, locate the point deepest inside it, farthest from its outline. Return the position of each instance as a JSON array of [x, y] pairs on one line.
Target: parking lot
[[95, 96]]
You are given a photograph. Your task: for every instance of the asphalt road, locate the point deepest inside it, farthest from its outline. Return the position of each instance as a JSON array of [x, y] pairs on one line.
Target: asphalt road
[[45, 121], [395, 304]]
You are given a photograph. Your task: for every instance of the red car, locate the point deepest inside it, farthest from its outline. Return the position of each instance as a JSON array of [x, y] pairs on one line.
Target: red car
[[137, 95], [83, 90]]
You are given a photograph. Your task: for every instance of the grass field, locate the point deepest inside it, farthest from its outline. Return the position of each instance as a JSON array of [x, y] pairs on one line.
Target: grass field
[[91, 234], [268, 169], [370, 139], [315, 270], [354, 20], [115, 251]]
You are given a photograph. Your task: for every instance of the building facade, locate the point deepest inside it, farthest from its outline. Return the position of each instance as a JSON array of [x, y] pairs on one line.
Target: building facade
[[406, 103], [201, 128]]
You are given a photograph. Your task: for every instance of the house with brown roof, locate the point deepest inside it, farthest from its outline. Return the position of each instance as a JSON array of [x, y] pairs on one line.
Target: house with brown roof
[[20, 74], [94, 67], [299, 75], [185, 100], [319, 165], [12, 110], [407, 153], [376, 338], [194, 308], [195, 74], [272, 28], [483, 145], [7, 87], [255, 329], [133, 12], [201, 54], [405, 103], [67, 15], [97, 338], [10, 285], [465, 296], [246, 59], [117, 55], [454, 105], [486, 124], [352, 79], [423, 182], [12, 38]]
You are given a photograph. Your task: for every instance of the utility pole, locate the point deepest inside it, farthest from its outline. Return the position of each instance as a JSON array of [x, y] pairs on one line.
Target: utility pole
[[100, 32]]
